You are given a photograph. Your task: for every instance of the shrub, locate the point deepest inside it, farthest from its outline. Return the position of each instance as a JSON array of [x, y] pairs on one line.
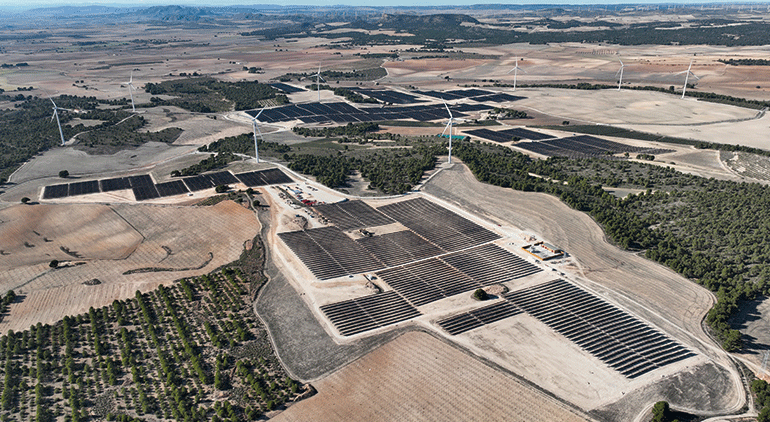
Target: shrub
[[480, 294], [64, 174]]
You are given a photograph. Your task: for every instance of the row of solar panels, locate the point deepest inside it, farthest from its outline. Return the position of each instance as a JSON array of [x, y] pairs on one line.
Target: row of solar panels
[[144, 188], [345, 113]]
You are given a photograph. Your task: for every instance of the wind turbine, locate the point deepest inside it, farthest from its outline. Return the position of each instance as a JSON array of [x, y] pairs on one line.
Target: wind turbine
[[515, 71], [257, 131], [449, 126], [687, 74], [318, 80], [56, 115], [620, 71], [131, 88]]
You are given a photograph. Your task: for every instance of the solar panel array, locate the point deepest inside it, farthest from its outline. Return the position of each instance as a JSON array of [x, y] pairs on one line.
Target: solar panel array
[[369, 312], [345, 113], [143, 193], [196, 183], [457, 94], [434, 279], [427, 281], [83, 188], [476, 318], [388, 96], [286, 88], [582, 146], [507, 135], [399, 247], [56, 191], [621, 341], [497, 98], [438, 225], [118, 183], [174, 187], [353, 215], [263, 178], [144, 188], [490, 264], [328, 252]]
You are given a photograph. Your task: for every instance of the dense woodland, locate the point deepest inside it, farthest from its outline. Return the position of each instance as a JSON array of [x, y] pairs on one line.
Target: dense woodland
[[392, 171], [193, 351], [440, 29], [208, 95]]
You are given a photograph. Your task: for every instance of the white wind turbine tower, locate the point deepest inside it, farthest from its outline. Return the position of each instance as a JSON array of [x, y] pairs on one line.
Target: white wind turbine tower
[[318, 80], [620, 71], [131, 88], [257, 131], [56, 115], [515, 71], [687, 74], [449, 126]]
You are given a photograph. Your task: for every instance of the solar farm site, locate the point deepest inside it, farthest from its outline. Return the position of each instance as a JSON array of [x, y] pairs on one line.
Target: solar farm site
[[144, 188], [435, 254]]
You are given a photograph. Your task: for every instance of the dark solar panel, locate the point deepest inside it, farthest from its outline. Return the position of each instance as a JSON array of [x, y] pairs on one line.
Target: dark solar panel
[[286, 88], [222, 178], [140, 181], [251, 179], [497, 98], [174, 187], [618, 339], [468, 93], [369, 312], [196, 183], [83, 188], [275, 177], [56, 191], [142, 193], [526, 134], [118, 183]]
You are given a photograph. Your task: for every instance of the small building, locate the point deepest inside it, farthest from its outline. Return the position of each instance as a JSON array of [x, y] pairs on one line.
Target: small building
[[543, 251]]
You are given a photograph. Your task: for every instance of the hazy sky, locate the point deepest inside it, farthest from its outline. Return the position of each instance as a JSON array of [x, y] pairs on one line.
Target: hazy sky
[[28, 4]]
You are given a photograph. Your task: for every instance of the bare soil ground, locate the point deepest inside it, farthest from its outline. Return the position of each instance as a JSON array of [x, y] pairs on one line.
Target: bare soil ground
[[185, 241], [36, 234], [417, 377]]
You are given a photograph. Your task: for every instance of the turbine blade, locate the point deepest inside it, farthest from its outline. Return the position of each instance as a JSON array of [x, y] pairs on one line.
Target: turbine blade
[[447, 110], [53, 115], [449, 123], [258, 114]]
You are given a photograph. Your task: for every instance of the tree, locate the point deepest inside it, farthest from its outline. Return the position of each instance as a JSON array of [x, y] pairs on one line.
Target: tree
[[661, 412], [25, 200], [480, 294], [54, 264], [64, 174], [221, 189]]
